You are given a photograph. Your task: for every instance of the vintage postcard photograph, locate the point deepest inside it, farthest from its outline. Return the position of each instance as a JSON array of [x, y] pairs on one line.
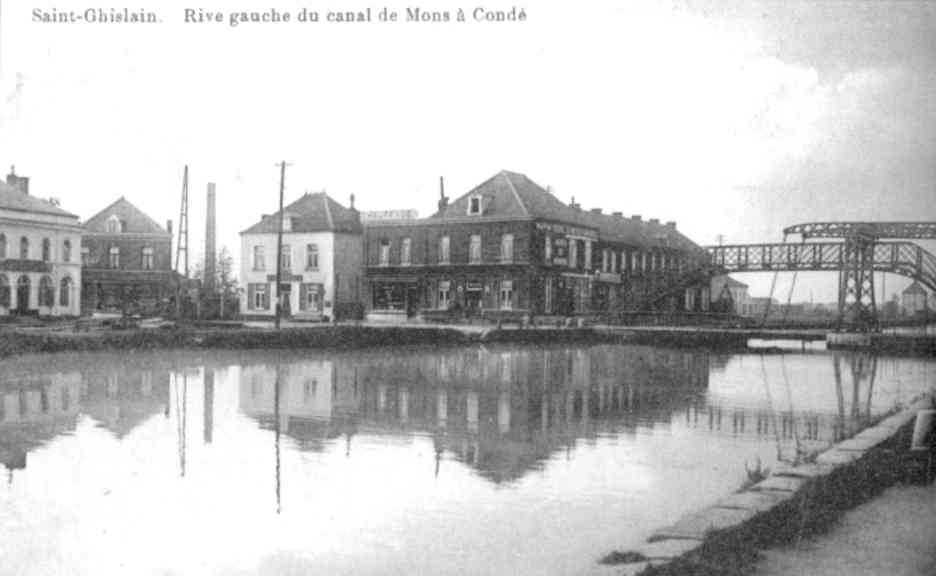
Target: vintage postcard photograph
[[389, 287]]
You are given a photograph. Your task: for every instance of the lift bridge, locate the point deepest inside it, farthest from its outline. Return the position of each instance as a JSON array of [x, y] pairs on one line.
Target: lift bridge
[[856, 250]]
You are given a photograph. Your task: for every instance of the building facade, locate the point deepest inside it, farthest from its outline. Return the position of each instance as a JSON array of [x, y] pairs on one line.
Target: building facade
[[127, 261], [511, 248], [321, 261], [40, 269], [913, 300]]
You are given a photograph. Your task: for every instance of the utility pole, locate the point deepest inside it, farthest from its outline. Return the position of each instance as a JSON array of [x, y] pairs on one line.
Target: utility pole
[[279, 246]]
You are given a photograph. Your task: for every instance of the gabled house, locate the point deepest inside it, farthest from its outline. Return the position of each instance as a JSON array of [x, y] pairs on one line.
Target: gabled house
[[913, 300], [127, 261], [40, 272], [321, 261]]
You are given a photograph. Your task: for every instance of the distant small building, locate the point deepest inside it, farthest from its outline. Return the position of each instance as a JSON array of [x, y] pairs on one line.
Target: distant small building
[[730, 294], [322, 261], [758, 306], [39, 267], [913, 300], [127, 261]]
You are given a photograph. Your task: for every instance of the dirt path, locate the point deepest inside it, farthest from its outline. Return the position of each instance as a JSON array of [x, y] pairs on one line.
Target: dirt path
[[894, 534]]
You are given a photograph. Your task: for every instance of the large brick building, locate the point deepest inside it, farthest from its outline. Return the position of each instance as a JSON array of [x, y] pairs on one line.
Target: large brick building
[[509, 247], [321, 261], [39, 268], [127, 261]]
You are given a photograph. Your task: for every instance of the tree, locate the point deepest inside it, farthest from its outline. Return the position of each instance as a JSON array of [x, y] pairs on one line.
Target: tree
[[223, 297]]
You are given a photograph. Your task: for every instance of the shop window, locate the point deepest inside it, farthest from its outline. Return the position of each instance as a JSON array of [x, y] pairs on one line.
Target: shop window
[[444, 294], [506, 294], [310, 297], [258, 296]]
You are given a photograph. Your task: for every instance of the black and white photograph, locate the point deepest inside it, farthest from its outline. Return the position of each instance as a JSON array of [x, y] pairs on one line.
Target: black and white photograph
[[388, 287]]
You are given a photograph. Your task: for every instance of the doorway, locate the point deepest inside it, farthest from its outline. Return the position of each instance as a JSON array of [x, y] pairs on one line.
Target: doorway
[[22, 294]]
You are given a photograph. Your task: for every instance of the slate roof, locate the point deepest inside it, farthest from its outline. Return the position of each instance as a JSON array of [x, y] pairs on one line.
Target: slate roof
[[509, 194], [732, 283], [312, 212], [13, 199], [137, 222]]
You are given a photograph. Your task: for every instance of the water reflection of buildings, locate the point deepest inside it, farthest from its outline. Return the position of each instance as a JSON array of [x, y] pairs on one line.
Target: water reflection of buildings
[[36, 408], [501, 411]]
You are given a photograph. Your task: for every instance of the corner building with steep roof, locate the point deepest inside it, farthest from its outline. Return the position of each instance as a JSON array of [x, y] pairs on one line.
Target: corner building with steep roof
[[321, 261]]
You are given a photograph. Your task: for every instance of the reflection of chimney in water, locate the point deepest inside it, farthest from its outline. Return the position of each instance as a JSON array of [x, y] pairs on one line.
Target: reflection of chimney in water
[[208, 419]]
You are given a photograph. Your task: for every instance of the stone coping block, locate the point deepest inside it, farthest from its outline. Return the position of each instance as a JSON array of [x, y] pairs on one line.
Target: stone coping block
[[876, 433], [781, 484], [836, 457], [809, 471], [669, 548], [761, 501], [700, 524], [859, 444]]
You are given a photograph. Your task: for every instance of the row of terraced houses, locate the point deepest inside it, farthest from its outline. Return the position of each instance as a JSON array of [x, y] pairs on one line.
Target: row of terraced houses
[[506, 249]]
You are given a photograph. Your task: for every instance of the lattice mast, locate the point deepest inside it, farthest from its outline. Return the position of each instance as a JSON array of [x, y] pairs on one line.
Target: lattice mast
[[182, 243]]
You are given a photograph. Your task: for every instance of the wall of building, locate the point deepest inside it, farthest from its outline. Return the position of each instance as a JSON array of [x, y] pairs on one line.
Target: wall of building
[[36, 228]]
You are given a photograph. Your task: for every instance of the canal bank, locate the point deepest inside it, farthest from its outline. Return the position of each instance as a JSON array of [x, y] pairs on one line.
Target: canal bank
[[789, 504]]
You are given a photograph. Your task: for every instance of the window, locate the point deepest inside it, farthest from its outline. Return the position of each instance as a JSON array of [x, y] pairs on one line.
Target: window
[[286, 257], [258, 297], [444, 294], [588, 255], [113, 224], [85, 256], [474, 249], [4, 291], [548, 250], [604, 260], [287, 223], [66, 251], [548, 297], [65, 291], [46, 292], [148, 258], [312, 257], [444, 250], [507, 248], [46, 250], [474, 205], [259, 263], [384, 252], [406, 252], [114, 257], [310, 297], [506, 294], [24, 248], [2, 245], [573, 253]]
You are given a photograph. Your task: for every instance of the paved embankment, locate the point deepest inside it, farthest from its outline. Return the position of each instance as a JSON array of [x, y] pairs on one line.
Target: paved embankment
[[36, 342], [791, 502], [893, 534]]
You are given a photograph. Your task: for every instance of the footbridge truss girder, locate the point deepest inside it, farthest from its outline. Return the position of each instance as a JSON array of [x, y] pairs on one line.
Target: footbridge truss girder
[[903, 258], [873, 230]]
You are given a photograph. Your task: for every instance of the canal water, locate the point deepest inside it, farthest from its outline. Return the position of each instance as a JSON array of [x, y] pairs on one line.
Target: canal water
[[478, 460]]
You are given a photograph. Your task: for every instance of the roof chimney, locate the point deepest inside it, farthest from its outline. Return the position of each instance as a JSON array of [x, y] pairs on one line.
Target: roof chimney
[[671, 224], [636, 217], [596, 210], [654, 220], [20, 183], [618, 214], [443, 199], [574, 204]]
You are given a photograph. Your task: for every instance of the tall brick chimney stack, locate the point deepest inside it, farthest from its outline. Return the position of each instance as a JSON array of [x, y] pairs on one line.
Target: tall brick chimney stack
[[443, 199], [20, 183], [210, 256]]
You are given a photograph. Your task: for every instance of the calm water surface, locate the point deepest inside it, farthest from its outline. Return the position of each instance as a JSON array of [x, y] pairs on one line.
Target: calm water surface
[[482, 460]]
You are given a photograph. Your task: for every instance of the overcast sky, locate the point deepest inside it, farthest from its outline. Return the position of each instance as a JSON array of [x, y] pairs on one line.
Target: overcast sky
[[732, 118]]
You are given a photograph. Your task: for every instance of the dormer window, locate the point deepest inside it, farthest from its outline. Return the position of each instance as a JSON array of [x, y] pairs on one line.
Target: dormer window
[[474, 205], [287, 223]]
